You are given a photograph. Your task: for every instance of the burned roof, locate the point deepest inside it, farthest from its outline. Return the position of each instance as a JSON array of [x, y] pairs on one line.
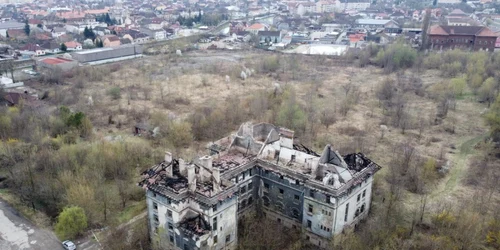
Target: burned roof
[[157, 178], [195, 225]]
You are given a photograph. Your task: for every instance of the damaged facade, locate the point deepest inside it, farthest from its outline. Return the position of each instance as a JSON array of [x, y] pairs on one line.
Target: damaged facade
[[198, 204]]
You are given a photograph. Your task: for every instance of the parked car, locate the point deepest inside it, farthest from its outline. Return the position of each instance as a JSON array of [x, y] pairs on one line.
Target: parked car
[[69, 245], [30, 72]]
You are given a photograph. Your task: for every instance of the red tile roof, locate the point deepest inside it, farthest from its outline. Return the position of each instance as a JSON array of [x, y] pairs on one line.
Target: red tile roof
[[72, 44], [444, 30], [55, 60], [437, 30]]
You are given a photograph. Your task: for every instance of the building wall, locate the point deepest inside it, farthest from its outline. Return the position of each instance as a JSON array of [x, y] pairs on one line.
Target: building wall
[[100, 54], [284, 200], [439, 42]]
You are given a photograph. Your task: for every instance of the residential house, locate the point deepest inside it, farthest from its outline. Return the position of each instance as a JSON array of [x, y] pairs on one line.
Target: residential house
[[17, 34], [269, 37], [461, 37], [34, 23], [237, 26], [10, 25], [51, 47], [255, 28], [110, 41], [388, 26], [73, 45], [199, 203], [305, 7], [58, 31], [325, 6], [31, 49], [356, 5], [136, 36], [158, 35], [101, 31]]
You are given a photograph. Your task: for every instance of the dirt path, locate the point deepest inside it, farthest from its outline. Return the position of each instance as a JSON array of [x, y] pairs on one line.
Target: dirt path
[[458, 168]]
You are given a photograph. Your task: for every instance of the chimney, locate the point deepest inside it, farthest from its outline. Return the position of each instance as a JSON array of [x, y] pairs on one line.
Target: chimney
[[191, 178], [168, 157], [182, 167], [216, 180], [170, 170], [206, 161]]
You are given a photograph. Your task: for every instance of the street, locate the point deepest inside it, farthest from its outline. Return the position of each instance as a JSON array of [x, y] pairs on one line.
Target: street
[[17, 233]]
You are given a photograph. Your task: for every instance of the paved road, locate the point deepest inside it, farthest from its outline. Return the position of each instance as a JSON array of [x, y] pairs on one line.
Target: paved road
[[17, 233]]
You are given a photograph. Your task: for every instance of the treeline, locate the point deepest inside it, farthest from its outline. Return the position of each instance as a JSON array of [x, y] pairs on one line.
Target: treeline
[[210, 19], [52, 160]]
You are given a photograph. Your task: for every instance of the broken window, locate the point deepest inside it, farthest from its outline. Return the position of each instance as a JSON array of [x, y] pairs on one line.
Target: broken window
[[266, 186], [155, 217], [243, 190], [170, 226], [327, 198], [215, 207], [279, 206], [228, 238], [296, 197], [309, 224], [215, 239], [169, 213], [295, 213], [250, 186], [281, 191], [346, 211], [359, 197], [310, 209], [155, 206], [297, 182], [364, 193], [311, 193], [266, 201], [171, 237], [250, 172], [293, 157], [362, 208]]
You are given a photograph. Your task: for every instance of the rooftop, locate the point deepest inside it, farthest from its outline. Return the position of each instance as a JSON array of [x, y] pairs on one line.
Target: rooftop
[[209, 178], [55, 60]]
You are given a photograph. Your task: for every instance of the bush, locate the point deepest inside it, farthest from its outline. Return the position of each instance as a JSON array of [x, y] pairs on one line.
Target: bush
[[71, 222], [115, 93], [270, 64], [397, 56], [451, 69]]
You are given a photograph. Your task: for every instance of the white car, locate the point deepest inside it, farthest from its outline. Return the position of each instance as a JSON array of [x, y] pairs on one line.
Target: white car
[[69, 245]]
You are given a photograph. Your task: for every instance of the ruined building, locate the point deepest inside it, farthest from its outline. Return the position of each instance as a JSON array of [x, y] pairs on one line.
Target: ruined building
[[196, 205]]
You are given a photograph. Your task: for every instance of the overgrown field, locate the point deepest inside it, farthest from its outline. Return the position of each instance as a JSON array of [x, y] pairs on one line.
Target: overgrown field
[[422, 118]]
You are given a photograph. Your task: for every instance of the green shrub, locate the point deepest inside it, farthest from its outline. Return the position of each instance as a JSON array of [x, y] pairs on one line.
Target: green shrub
[[71, 222], [115, 93]]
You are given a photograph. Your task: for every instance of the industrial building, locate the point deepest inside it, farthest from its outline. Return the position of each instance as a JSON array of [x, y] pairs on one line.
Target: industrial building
[[196, 205], [109, 54]]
